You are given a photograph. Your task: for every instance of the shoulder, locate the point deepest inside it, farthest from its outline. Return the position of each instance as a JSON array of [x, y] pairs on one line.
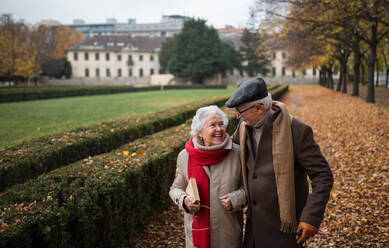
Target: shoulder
[[182, 157], [235, 152], [235, 148], [298, 125]]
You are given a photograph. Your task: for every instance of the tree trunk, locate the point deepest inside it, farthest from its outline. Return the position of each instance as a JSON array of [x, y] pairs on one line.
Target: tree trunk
[[344, 78], [324, 79], [321, 81], [330, 78], [363, 75], [387, 78], [378, 74], [372, 59], [357, 65], [338, 87]]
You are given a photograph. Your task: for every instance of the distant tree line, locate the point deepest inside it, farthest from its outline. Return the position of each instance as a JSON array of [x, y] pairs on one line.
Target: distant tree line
[[26, 54], [197, 53], [349, 36]]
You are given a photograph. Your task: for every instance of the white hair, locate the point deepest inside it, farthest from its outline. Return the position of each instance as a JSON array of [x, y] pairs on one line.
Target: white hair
[[266, 102], [202, 114]]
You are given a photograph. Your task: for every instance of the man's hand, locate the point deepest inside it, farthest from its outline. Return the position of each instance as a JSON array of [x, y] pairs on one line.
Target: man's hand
[[305, 231], [226, 202], [191, 205]]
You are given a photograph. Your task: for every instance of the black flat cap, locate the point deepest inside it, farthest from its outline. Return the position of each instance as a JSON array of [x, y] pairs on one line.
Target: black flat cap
[[250, 90]]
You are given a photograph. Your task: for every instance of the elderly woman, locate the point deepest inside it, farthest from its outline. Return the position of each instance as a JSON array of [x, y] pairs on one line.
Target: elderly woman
[[213, 160]]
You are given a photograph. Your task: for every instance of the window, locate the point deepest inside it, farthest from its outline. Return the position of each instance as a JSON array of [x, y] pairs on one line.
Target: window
[[86, 56], [119, 57], [97, 56], [86, 72], [274, 55], [75, 56], [141, 57], [304, 73], [314, 71], [130, 57], [140, 72], [107, 72], [283, 55], [97, 72], [119, 72], [107, 56], [293, 74], [130, 72], [151, 71], [273, 71], [151, 58], [283, 71]]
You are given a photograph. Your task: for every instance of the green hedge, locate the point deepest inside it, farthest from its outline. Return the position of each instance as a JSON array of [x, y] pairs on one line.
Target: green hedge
[[97, 202], [101, 201], [32, 158], [48, 92]]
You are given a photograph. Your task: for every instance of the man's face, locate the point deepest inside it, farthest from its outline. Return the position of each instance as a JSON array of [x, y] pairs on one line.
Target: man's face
[[251, 114]]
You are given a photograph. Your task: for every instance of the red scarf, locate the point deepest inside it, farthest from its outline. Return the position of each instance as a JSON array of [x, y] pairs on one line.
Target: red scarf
[[197, 158]]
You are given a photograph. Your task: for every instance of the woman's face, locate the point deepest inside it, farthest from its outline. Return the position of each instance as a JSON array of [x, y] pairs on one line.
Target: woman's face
[[213, 132]]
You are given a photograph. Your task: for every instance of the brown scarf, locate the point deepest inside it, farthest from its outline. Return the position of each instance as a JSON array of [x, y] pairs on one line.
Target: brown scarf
[[283, 163]]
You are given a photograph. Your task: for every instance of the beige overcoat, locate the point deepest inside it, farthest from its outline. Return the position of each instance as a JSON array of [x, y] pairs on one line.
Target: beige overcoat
[[224, 179]]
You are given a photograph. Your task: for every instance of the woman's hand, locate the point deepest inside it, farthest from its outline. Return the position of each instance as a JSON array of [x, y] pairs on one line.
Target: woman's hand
[[226, 202], [191, 205]]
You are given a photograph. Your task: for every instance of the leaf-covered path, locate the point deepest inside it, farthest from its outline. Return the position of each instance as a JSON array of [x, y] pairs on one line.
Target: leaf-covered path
[[354, 137]]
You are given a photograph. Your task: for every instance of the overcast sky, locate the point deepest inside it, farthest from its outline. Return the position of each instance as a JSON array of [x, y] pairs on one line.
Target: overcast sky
[[218, 13]]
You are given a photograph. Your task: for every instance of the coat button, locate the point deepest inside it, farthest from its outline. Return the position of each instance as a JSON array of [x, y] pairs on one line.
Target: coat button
[[254, 202], [255, 176]]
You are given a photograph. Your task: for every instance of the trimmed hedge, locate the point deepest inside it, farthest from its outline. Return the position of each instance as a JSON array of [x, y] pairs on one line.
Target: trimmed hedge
[[32, 158], [38, 93], [97, 202]]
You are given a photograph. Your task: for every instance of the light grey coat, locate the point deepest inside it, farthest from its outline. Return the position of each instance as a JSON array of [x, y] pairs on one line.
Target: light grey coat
[[224, 179]]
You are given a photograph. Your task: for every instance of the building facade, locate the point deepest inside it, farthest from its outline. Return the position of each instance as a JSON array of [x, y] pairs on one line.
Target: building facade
[[168, 26], [115, 57], [127, 59]]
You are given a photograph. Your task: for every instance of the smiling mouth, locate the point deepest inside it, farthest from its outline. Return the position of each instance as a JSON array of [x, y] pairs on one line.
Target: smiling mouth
[[217, 136]]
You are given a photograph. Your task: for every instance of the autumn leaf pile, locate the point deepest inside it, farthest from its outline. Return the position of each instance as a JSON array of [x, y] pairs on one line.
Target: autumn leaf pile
[[354, 138]]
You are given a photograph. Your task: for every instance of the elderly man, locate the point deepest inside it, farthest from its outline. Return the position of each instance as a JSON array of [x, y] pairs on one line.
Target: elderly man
[[278, 151]]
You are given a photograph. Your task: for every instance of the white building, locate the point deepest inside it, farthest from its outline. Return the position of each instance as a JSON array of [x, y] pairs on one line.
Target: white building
[[279, 68], [118, 59], [115, 57]]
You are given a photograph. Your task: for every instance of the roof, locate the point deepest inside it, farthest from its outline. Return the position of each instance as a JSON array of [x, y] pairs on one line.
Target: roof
[[119, 43], [230, 30]]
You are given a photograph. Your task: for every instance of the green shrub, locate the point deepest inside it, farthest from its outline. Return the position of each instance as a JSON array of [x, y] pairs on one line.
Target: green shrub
[[32, 158], [48, 92]]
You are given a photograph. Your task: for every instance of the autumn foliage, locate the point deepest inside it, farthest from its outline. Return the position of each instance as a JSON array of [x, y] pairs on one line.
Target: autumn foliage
[[24, 51]]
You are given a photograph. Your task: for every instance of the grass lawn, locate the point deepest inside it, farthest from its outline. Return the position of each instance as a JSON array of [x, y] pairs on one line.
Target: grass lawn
[[21, 121]]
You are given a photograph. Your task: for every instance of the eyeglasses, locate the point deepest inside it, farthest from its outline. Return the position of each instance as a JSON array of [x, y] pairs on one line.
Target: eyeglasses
[[244, 110]]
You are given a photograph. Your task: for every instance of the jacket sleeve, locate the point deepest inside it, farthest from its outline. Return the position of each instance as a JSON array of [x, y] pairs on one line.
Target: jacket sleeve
[[309, 156], [238, 199], [177, 190]]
